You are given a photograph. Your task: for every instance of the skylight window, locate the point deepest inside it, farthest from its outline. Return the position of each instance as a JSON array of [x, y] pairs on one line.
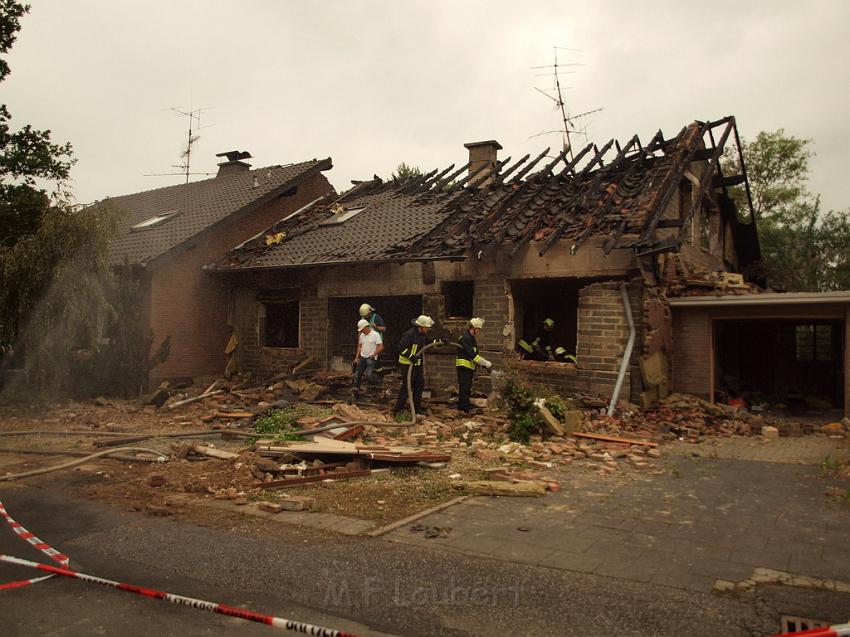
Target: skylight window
[[155, 220], [342, 215]]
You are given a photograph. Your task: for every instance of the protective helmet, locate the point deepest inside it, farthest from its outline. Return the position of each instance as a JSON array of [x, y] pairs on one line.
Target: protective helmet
[[549, 322], [365, 309], [476, 322], [423, 321], [361, 324], [560, 351]]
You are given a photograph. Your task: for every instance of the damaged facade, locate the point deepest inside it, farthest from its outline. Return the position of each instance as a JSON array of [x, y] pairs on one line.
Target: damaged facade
[[567, 237], [167, 235]]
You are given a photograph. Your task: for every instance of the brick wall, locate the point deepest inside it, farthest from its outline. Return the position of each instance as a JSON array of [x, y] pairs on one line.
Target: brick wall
[[191, 305], [603, 332], [692, 351]]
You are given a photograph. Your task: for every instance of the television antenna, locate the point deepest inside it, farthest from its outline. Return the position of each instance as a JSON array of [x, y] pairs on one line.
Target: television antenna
[[194, 117], [560, 103]]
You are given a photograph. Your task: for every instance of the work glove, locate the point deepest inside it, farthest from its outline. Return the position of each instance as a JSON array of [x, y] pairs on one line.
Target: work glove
[[484, 362]]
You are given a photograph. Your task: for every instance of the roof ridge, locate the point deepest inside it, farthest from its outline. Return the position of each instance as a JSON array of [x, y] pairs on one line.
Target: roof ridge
[[203, 181]]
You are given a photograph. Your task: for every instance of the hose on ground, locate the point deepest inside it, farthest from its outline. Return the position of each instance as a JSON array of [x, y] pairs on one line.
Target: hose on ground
[[80, 461]]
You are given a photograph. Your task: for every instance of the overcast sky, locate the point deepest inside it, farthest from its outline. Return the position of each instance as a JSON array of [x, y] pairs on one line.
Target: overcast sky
[[372, 84]]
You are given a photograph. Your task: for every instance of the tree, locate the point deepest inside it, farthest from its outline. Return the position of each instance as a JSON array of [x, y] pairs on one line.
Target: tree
[[403, 172], [26, 155], [803, 247], [55, 278]]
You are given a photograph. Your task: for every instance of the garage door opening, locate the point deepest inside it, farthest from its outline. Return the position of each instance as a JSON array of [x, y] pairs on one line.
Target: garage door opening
[[538, 300], [796, 364], [397, 312]]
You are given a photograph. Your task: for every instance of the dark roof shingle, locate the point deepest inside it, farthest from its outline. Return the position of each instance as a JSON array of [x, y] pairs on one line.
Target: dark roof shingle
[[198, 205]]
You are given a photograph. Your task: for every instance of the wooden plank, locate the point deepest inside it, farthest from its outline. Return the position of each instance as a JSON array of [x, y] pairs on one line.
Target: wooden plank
[[294, 482], [212, 452], [408, 458], [625, 441], [349, 433], [421, 514]]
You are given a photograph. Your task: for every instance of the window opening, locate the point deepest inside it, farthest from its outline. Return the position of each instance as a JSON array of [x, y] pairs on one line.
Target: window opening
[[458, 296], [282, 324]]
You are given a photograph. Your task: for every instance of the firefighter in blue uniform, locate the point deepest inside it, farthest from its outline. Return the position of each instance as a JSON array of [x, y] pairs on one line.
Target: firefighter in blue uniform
[[465, 362], [410, 348]]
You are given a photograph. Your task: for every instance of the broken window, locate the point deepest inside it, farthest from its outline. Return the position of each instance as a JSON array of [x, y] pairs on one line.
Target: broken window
[[814, 343], [458, 296], [282, 324], [538, 300], [155, 220]]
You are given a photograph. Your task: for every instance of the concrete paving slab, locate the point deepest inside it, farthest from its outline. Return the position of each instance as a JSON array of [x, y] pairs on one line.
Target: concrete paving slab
[[707, 519]]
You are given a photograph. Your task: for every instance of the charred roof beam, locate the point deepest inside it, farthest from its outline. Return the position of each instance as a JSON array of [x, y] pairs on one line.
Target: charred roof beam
[[528, 168]]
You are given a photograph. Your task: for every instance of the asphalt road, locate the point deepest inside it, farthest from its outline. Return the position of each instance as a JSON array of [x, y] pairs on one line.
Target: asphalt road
[[363, 585]]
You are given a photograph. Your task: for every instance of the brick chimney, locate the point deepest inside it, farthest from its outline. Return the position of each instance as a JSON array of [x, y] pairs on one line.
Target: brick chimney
[[481, 153], [234, 163]]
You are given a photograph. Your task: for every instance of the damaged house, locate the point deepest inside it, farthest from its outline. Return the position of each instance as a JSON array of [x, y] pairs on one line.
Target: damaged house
[[167, 235], [588, 237]]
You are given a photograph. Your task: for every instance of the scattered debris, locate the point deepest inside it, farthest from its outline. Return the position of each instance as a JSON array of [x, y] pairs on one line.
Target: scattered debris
[[431, 532]]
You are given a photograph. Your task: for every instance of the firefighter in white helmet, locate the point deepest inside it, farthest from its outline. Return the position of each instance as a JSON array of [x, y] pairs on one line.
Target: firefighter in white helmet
[[368, 313], [465, 362], [410, 353]]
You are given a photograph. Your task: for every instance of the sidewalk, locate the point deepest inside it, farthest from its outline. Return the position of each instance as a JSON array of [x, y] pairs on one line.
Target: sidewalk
[[703, 520]]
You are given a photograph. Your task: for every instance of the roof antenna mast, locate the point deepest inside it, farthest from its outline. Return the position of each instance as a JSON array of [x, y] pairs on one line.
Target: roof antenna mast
[[560, 103], [194, 116], [194, 126]]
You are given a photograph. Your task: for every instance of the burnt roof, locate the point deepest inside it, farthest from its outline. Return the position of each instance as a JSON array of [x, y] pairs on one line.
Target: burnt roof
[[194, 207], [618, 191]]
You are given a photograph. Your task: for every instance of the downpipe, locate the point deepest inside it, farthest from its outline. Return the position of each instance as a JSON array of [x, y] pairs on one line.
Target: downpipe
[[627, 354]]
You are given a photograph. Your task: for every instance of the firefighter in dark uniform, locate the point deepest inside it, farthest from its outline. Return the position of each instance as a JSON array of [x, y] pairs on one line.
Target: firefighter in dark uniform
[[410, 348], [465, 362], [539, 349]]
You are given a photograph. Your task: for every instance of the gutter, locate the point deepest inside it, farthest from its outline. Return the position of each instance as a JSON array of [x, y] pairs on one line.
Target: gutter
[[290, 266], [790, 298]]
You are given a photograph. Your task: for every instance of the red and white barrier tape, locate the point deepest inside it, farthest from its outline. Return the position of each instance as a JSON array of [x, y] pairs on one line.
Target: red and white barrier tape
[[42, 546], [231, 611], [838, 630]]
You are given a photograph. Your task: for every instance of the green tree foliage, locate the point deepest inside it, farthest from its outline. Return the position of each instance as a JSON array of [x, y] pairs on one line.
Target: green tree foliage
[[803, 247], [27, 156], [403, 172]]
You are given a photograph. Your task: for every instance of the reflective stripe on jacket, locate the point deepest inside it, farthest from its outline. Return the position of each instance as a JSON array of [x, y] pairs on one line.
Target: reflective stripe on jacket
[[468, 355], [411, 342]]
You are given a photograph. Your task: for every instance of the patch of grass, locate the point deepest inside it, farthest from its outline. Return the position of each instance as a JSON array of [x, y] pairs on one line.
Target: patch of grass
[[402, 416], [280, 423], [830, 467]]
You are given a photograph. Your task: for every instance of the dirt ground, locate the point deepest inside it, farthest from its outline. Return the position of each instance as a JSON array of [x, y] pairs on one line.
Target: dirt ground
[[476, 445]]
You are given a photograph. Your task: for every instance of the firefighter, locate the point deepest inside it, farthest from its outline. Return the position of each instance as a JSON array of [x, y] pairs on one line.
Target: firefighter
[[539, 349], [376, 322], [562, 356], [368, 313], [465, 362], [410, 348]]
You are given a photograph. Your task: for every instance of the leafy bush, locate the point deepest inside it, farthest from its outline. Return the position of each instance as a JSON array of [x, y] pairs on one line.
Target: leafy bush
[[521, 411]]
